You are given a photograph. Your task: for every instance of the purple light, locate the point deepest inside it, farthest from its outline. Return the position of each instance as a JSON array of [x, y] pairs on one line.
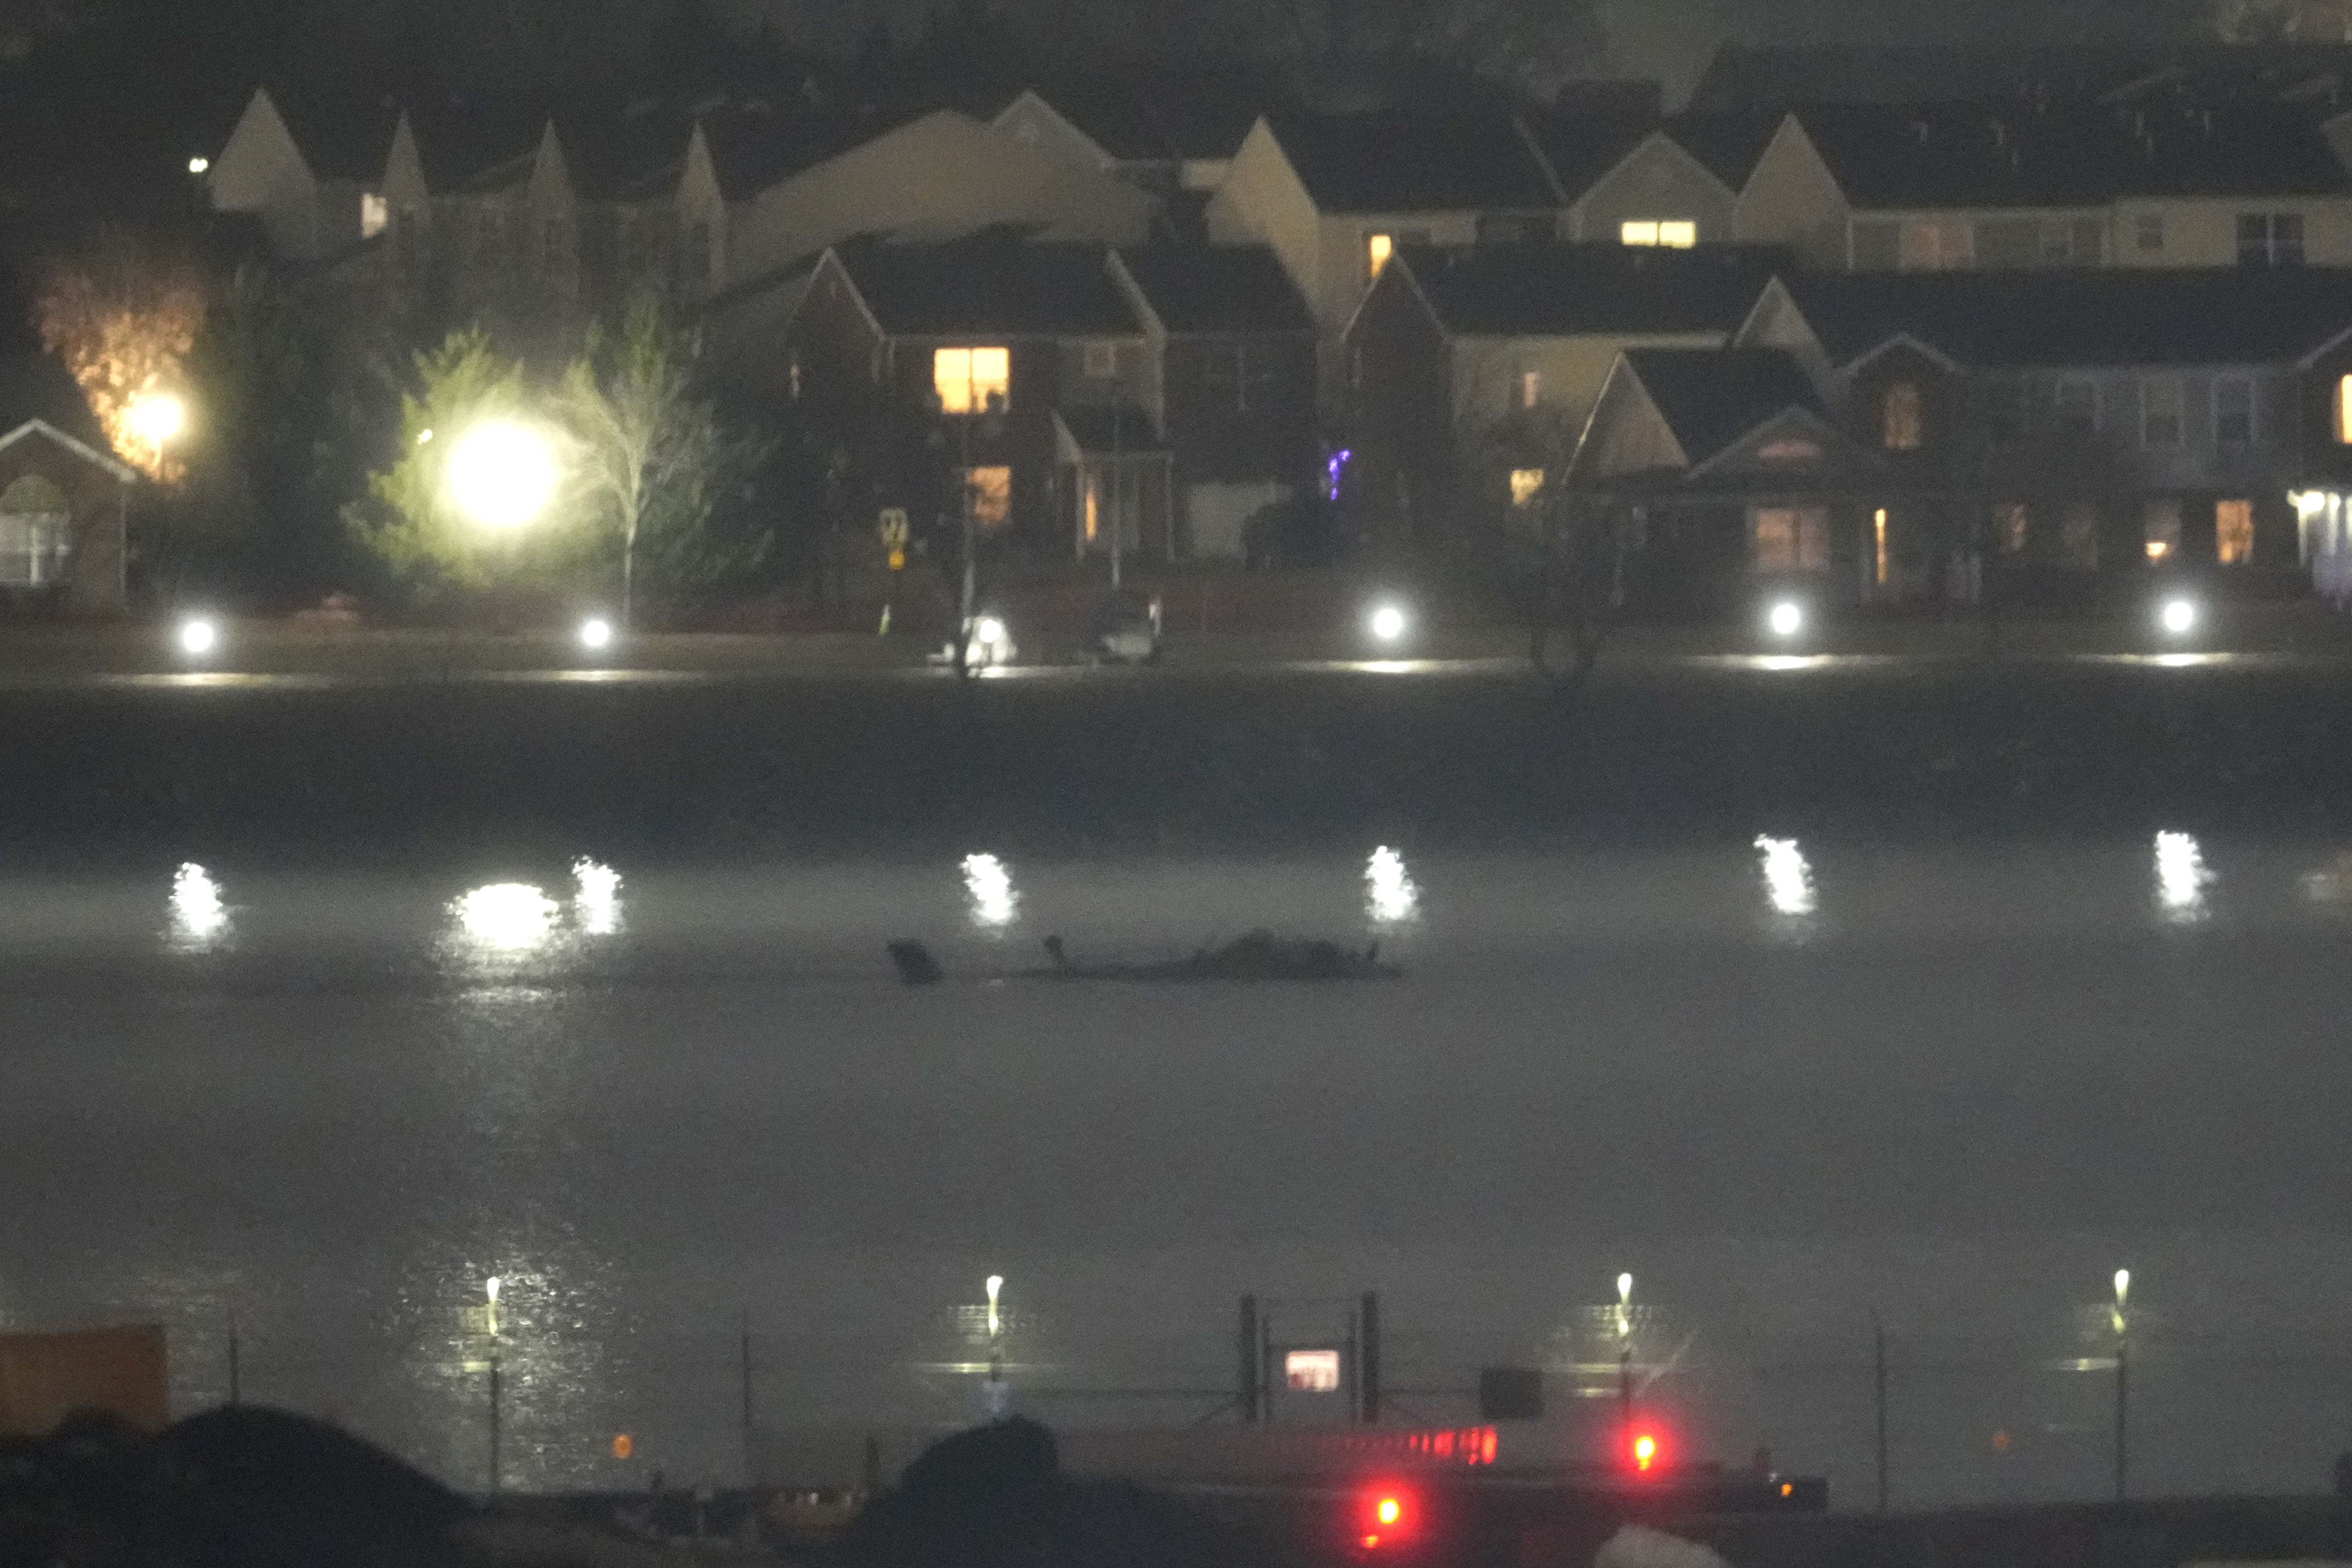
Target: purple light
[[1334, 468]]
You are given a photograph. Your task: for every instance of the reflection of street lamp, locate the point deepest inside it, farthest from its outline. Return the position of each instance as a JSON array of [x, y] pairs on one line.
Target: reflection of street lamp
[[2123, 1380], [995, 1289], [502, 474], [491, 1289]]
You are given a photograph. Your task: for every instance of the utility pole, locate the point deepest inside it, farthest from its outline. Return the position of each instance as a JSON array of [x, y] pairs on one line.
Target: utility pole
[[1118, 495], [1370, 1354], [1625, 1401], [1878, 1333]]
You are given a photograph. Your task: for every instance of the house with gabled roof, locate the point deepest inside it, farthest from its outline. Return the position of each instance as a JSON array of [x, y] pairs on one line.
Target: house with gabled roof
[[1733, 477], [63, 497], [1471, 372], [312, 189], [1661, 182], [1958, 186], [1335, 196], [2092, 422]]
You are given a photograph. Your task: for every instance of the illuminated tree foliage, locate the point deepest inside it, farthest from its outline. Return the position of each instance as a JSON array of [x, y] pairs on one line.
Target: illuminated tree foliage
[[409, 520], [122, 317]]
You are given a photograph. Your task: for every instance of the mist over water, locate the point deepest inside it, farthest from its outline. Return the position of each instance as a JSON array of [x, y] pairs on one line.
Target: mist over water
[[1784, 1082]]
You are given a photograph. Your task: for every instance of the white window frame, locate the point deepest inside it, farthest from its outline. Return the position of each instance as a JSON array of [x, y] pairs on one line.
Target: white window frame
[[2253, 419]]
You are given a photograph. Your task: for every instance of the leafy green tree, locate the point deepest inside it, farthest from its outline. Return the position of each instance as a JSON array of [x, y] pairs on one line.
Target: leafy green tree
[[650, 458], [410, 521]]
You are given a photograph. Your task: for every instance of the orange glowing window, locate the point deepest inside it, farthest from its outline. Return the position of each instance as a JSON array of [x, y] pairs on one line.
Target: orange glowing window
[[1378, 248], [966, 378], [990, 490]]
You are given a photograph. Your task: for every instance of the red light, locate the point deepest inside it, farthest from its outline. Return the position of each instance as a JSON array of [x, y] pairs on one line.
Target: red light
[[1386, 1516], [1645, 1451]]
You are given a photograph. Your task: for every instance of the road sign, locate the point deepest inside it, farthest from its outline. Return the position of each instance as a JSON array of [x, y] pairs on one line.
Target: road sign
[[894, 527]]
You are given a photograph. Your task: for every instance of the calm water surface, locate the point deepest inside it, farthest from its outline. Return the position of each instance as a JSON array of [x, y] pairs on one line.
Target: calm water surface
[[1789, 1086]]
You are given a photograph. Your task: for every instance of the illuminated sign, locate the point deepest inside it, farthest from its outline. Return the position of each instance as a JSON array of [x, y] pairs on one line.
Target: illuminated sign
[[1311, 1371]]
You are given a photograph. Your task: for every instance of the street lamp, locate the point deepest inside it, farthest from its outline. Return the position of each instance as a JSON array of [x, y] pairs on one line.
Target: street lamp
[[502, 474], [157, 418], [995, 1289]]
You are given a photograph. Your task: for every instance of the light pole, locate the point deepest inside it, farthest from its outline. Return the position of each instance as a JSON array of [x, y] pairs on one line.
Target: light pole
[[1625, 1357]]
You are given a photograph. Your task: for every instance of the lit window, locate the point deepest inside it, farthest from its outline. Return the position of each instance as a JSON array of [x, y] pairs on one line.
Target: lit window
[[1936, 245], [1311, 1371], [1789, 538], [1102, 360], [1899, 413], [1530, 387], [2233, 411], [2010, 523], [1675, 234], [2234, 531], [1883, 564], [966, 379], [990, 490], [1378, 248], [1524, 484], [35, 533], [2344, 410], [2162, 527], [2159, 411], [376, 216]]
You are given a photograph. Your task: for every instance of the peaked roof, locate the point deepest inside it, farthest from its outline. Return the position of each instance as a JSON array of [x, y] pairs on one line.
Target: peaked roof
[[35, 387], [1589, 290], [1711, 397], [994, 283], [2206, 73], [339, 139], [1581, 148], [1216, 288], [1727, 142], [2018, 155], [1413, 160], [2103, 316]]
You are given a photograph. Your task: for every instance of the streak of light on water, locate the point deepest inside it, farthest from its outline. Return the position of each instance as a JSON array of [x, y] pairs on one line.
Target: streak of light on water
[[989, 886], [1788, 876], [2181, 877], [199, 917], [1391, 897], [504, 918], [596, 898]]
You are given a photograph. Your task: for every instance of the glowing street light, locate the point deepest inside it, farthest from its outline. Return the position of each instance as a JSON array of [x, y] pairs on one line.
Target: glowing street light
[[1786, 618], [995, 1289], [2179, 616], [200, 165], [596, 635], [2123, 1297], [197, 636], [1389, 623], [157, 418], [502, 474]]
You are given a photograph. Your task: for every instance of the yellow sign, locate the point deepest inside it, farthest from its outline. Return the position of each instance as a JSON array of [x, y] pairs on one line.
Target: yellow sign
[[623, 1446], [898, 561]]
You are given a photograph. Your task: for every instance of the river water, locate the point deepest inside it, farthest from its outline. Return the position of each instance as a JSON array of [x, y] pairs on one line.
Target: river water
[[1794, 1089]]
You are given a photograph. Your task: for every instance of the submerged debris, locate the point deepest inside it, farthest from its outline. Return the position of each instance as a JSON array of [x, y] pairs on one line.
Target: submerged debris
[[1254, 955], [915, 964]]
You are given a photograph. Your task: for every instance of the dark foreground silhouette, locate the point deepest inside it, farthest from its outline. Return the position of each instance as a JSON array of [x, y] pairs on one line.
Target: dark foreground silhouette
[[1254, 955]]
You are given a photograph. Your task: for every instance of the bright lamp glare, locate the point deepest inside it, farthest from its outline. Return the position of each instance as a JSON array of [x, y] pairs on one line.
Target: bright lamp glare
[[1787, 619], [596, 633], [2179, 615], [988, 630], [502, 474], [198, 636], [1388, 623], [157, 417], [199, 165]]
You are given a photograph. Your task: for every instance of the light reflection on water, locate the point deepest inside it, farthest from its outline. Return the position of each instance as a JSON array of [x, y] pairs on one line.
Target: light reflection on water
[[1391, 897], [596, 903], [1788, 876], [504, 918], [2181, 878], [641, 1152], [990, 888], [199, 917]]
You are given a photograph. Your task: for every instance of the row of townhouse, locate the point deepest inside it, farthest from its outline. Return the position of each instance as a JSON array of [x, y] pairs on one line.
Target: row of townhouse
[[1154, 397], [1876, 437]]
